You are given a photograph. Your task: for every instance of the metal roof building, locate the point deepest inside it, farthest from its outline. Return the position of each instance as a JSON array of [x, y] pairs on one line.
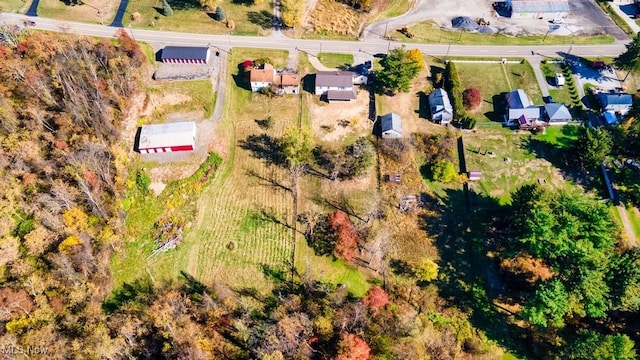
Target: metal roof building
[[391, 125], [539, 9], [169, 137], [185, 55]]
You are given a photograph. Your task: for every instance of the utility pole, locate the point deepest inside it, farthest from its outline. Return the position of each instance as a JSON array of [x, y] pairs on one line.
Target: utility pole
[[570, 47], [385, 29]]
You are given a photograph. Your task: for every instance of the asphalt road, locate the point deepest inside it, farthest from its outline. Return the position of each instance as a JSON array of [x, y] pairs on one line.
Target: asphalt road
[[370, 45]]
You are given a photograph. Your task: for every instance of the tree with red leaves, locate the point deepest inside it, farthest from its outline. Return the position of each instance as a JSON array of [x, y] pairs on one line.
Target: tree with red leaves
[[346, 235], [376, 298], [471, 98], [131, 47], [352, 347]]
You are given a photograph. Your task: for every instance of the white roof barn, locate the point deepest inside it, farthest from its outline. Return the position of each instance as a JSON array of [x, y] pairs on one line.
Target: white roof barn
[[169, 137]]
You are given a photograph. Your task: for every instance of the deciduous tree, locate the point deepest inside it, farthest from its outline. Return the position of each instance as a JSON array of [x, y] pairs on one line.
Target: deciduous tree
[[471, 98], [398, 70], [376, 299], [346, 235], [353, 347]]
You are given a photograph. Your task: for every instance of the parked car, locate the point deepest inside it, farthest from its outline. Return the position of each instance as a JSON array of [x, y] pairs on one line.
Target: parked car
[[559, 79], [556, 21]]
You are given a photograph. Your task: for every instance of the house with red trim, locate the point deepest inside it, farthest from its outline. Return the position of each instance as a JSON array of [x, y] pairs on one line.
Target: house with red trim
[[171, 137]]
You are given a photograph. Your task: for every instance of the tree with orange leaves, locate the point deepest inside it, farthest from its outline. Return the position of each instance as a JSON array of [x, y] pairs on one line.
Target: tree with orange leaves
[[376, 298], [353, 347], [346, 235]]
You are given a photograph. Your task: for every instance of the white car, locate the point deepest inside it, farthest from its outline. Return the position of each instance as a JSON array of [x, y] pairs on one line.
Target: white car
[[559, 79]]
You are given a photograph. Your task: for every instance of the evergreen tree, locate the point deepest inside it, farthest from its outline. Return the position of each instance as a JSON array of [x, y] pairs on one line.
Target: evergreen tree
[[220, 15], [398, 70]]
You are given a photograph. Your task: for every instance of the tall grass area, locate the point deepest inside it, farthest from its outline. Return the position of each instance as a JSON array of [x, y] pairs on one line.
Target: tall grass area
[[190, 17], [201, 97], [429, 32], [144, 210]]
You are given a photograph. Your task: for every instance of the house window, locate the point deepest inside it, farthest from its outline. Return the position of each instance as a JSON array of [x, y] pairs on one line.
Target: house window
[[341, 88]]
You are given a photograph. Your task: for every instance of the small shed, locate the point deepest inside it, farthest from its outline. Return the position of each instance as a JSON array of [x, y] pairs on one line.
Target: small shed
[[185, 55], [169, 137], [391, 125], [474, 175]]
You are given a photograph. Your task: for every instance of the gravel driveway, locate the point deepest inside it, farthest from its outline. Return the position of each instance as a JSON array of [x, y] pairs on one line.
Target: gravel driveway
[[586, 18]]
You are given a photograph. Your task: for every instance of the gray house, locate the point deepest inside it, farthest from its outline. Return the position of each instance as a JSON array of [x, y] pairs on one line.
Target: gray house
[[556, 114], [440, 107], [335, 85], [519, 106], [619, 103], [391, 126]]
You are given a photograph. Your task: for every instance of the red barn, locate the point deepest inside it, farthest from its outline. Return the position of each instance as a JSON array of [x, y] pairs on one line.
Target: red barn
[[167, 137]]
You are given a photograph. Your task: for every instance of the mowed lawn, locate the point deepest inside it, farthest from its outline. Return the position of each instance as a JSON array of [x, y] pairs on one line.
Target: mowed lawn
[[429, 32], [509, 160], [494, 80], [335, 60], [189, 17]]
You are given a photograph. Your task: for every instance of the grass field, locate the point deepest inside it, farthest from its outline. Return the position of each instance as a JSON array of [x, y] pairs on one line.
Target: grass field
[[393, 8], [429, 32], [18, 6], [559, 94], [509, 160], [189, 17], [200, 93], [91, 11], [495, 79], [241, 233], [335, 60]]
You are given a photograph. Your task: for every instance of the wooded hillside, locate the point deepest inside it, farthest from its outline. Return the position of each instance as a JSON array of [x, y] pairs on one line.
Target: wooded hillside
[[62, 100]]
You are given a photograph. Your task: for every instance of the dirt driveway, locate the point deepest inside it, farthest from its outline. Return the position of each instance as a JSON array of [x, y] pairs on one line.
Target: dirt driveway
[[585, 18]]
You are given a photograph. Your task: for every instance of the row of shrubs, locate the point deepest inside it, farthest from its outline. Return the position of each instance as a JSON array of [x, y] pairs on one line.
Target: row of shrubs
[[457, 96]]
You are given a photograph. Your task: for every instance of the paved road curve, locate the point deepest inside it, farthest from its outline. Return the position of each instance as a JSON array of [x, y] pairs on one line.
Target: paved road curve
[[371, 45]]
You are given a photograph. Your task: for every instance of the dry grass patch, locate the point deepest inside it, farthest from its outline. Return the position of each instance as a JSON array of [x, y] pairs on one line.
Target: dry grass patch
[[337, 121], [323, 20], [18, 6], [94, 11]]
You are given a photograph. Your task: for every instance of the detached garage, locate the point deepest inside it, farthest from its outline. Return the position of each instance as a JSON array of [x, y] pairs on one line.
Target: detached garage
[[185, 55], [167, 137]]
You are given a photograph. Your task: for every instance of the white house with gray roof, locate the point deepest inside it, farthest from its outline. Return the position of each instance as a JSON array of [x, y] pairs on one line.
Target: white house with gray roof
[[440, 107], [519, 105], [335, 85], [391, 125]]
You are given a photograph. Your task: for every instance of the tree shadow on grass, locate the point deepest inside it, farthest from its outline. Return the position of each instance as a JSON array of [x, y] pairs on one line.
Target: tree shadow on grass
[[559, 156], [470, 280], [264, 147], [138, 291], [185, 4], [241, 79], [264, 18], [498, 112]]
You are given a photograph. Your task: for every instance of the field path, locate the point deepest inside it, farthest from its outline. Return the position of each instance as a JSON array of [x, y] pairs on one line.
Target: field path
[[418, 12], [626, 225]]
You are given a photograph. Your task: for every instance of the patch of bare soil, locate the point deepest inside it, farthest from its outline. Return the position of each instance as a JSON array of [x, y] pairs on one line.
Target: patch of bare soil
[[100, 11], [332, 122]]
